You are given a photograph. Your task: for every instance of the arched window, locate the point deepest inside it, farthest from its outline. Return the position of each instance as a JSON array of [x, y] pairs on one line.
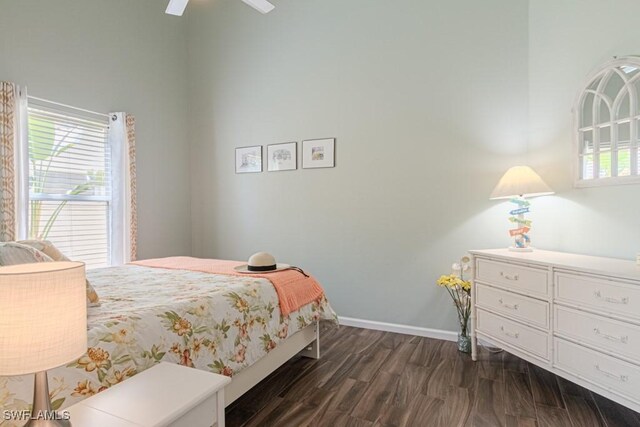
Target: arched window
[[608, 123]]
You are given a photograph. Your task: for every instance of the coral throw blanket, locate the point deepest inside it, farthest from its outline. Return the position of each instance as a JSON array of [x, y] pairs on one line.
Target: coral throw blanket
[[293, 288]]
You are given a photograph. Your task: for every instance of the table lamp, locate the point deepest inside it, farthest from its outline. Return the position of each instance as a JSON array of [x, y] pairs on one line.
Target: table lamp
[[518, 183], [43, 324]]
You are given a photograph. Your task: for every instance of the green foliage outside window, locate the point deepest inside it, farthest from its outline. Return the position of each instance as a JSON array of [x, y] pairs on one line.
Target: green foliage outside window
[[48, 142]]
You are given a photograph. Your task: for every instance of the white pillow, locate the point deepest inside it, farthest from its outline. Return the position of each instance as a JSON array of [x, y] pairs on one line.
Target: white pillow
[[12, 253]]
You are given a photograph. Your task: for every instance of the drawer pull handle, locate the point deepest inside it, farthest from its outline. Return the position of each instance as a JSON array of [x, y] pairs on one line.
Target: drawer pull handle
[[509, 306], [622, 340], [509, 334], [509, 276], [598, 295], [622, 378]]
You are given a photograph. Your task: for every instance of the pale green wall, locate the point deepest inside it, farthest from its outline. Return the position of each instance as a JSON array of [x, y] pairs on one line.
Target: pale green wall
[[428, 102], [568, 40], [121, 55]]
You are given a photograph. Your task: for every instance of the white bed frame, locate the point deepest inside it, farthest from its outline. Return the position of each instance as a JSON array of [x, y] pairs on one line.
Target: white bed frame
[[305, 342]]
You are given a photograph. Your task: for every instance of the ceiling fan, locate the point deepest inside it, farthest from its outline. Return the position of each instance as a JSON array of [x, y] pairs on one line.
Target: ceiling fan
[[177, 7]]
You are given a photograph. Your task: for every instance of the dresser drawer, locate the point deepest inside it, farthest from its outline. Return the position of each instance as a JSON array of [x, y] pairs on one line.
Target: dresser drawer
[[520, 307], [515, 277], [599, 294], [525, 338], [604, 371], [600, 332]]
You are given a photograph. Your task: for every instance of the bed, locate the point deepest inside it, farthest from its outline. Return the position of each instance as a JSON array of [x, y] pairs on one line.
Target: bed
[[228, 324]]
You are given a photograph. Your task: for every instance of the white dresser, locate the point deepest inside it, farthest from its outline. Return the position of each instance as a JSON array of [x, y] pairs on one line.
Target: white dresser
[[575, 315]]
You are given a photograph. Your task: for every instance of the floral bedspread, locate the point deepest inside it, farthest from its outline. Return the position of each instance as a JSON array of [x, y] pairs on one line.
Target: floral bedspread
[[211, 322]]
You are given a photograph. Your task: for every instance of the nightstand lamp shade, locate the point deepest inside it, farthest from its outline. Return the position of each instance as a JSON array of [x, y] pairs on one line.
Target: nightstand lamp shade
[[520, 181], [43, 316], [516, 184], [43, 325]]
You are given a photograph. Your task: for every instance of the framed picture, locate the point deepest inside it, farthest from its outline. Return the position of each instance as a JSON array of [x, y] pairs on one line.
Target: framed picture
[[249, 159], [282, 157], [318, 153]]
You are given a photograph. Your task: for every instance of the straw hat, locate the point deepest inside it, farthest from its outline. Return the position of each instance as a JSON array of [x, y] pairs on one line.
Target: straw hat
[[261, 262]]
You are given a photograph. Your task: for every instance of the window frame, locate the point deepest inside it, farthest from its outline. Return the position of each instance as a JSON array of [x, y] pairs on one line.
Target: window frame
[[80, 115], [634, 125]]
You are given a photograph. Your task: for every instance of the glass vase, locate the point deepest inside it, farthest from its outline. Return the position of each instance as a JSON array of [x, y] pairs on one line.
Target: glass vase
[[464, 343]]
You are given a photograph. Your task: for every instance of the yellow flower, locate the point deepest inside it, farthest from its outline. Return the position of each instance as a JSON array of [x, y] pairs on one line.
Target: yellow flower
[[175, 348], [443, 281], [182, 326], [447, 280], [84, 389], [453, 281], [95, 358], [196, 345], [242, 305]]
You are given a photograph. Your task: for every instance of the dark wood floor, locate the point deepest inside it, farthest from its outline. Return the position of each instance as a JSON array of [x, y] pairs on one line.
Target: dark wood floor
[[372, 378]]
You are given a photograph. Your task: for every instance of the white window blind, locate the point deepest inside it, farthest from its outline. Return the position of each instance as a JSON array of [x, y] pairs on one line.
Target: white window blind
[[70, 182]]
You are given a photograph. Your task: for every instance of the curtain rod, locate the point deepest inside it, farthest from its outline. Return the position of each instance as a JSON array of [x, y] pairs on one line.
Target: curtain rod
[[68, 106]]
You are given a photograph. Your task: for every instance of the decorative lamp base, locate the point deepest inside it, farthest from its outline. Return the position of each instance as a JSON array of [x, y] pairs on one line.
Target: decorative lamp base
[[48, 423], [41, 413], [516, 249], [521, 233]]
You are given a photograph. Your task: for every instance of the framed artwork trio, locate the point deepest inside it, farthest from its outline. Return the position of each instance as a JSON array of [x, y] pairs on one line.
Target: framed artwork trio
[[316, 153]]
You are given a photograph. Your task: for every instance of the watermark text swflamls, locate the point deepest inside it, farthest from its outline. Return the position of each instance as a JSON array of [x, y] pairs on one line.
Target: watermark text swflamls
[[25, 414]]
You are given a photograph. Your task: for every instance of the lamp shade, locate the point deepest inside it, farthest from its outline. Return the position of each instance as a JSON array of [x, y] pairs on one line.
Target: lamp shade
[[43, 316], [520, 181]]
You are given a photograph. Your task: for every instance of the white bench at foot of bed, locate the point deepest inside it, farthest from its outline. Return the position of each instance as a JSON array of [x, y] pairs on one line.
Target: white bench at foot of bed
[[164, 395]]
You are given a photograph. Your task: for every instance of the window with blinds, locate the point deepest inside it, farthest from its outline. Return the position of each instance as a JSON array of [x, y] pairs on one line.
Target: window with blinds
[[70, 182]]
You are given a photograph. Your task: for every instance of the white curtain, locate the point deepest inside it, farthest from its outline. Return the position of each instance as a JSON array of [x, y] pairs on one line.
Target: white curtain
[[22, 166], [124, 212]]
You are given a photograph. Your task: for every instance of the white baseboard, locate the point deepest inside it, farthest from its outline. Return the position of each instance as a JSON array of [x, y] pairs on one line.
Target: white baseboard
[[399, 329]]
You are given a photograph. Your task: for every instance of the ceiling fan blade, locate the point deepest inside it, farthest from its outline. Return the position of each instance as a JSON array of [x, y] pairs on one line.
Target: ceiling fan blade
[[176, 7], [262, 6]]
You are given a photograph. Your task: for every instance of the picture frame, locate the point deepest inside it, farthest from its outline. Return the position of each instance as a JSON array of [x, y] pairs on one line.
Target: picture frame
[[249, 159], [282, 157], [318, 153]]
